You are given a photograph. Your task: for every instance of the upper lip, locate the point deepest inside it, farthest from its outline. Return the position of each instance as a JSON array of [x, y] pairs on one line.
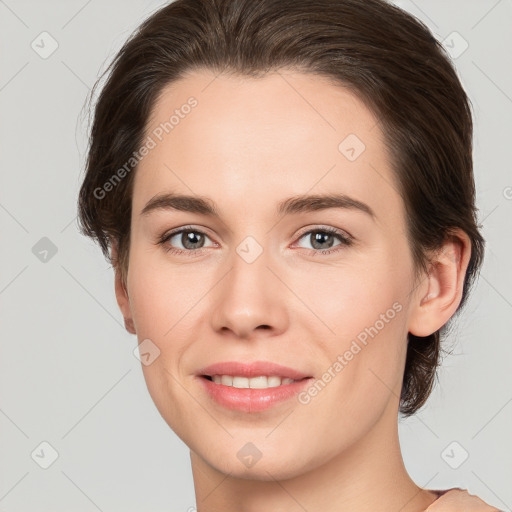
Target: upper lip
[[254, 369]]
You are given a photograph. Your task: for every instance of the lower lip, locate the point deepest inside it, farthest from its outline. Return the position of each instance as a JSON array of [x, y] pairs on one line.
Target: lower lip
[[252, 400]]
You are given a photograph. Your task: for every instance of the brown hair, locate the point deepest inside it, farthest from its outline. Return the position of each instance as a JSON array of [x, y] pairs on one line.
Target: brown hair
[[382, 54]]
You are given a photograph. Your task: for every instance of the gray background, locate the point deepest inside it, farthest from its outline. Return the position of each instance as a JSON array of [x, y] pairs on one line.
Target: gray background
[[68, 374]]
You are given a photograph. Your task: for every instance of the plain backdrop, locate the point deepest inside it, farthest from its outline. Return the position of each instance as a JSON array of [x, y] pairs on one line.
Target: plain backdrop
[[78, 429]]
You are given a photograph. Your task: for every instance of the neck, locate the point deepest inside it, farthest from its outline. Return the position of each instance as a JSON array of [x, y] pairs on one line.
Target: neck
[[369, 476]]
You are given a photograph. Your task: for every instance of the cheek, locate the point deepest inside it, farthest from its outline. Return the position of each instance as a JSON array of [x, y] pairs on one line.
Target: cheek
[[367, 314], [159, 311], [349, 298], [161, 296], [160, 303]]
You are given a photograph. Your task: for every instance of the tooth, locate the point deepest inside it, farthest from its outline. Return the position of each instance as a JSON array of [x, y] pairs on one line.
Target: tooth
[[274, 381], [258, 382], [227, 380], [240, 382]]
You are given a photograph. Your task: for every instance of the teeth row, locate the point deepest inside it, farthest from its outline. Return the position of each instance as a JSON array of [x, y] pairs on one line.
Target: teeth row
[[261, 382]]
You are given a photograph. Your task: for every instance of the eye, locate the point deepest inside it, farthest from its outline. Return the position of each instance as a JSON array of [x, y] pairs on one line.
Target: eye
[[323, 240], [191, 240]]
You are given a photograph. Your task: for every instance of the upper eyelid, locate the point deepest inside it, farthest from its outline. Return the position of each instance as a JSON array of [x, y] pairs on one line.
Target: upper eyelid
[[177, 231], [329, 229]]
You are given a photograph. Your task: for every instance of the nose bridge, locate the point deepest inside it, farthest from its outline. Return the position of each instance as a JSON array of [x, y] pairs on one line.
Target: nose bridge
[[249, 296]]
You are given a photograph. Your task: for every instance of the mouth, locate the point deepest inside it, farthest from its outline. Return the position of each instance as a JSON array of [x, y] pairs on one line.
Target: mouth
[[251, 387]]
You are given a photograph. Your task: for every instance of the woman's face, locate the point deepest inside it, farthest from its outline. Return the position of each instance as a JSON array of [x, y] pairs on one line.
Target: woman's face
[[263, 281]]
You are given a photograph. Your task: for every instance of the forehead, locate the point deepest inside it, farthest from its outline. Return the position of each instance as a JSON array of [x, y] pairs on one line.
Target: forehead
[[284, 134]]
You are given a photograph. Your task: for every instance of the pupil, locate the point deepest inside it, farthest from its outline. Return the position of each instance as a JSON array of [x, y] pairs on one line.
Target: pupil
[[191, 238], [320, 237]]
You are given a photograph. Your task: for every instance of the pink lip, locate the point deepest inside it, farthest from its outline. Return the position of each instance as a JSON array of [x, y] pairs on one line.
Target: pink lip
[[252, 370], [247, 399]]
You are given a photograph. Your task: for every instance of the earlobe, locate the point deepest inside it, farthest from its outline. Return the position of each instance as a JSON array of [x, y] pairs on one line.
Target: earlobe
[[123, 300], [440, 292]]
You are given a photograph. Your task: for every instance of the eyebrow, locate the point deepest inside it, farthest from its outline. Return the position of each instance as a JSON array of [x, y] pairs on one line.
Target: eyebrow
[[290, 206]]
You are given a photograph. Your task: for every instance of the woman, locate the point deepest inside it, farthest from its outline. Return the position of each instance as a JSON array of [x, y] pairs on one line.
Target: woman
[[285, 190]]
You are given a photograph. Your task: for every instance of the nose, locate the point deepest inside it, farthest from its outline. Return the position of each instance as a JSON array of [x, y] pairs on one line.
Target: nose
[[250, 301]]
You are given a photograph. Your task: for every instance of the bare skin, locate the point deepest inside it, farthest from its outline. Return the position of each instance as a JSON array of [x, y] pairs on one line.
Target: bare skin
[[248, 145]]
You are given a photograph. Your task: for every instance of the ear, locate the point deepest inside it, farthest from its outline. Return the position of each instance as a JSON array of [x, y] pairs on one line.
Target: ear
[[123, 300], [439, 294]]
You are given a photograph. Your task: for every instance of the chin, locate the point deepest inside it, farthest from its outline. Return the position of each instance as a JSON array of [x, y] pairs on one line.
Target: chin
[[262, 471], [252, 463]]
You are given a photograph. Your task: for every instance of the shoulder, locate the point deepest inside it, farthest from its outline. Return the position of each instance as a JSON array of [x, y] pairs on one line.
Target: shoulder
[[459, 500]]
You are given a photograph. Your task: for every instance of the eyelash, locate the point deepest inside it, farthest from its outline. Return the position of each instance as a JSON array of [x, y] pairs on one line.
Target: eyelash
[[345, 240]]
